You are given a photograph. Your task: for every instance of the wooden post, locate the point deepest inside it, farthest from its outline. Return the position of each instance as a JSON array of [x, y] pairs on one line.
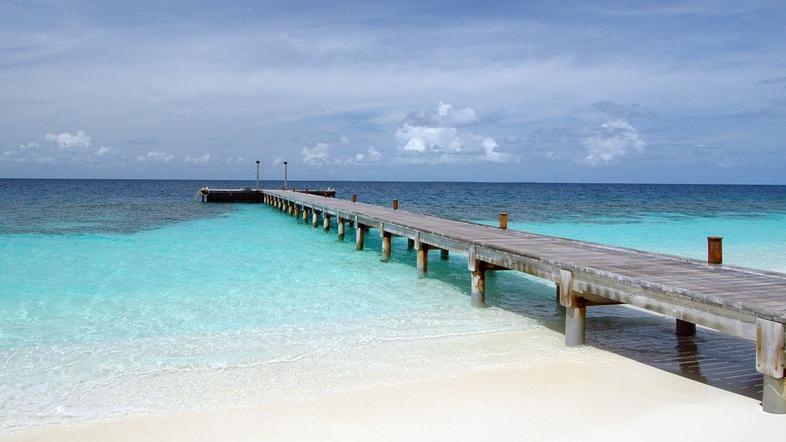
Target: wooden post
[[386, 237], [410, 243], [359, 237], [503, 220], [422, 257], [305, 215], [354, 198], [314, 217], [325, 221], [340, 224], [297, 211], [291, 209], [685, 328], [715, 249], [444, 254], [395, 204], [575, 310], [770, 362], [477, 271]]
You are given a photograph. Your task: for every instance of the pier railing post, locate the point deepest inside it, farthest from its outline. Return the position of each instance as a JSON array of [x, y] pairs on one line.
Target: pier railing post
[[575, 310], [770, 362]]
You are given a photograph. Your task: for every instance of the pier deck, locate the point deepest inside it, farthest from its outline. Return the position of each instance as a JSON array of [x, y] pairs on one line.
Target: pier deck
[[738, 301]]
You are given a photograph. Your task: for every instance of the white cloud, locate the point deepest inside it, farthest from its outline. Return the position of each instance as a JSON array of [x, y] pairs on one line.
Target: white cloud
[[614, 139], [372, 155], [278, 160], [445, 115], [202, 159], [103, 150], [68, 140], [316, 155], [156, 156], [433, 137], [424, 139]]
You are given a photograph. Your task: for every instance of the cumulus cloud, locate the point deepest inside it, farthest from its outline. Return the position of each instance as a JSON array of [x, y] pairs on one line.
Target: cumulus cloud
[[156, 156], [202, 159], [68, 140], [372, 155], [614, 139], [316, 155], [434, 137], [59, 148]]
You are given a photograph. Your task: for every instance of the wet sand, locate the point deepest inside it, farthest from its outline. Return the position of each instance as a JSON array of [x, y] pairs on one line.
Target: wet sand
[[580, 394]]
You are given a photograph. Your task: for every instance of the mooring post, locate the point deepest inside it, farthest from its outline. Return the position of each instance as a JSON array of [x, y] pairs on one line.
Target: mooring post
[[395, 204], [340, 224], [477, 271], [503, 220], [354, 198], [714, 256], [359, 236], [771, 363], [575, 310], [422, 257], [444, 254], [410, 243], [314, 217], [325, 221], [386, 237]]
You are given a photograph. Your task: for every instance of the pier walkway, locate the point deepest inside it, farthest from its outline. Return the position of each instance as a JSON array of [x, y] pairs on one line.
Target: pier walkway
[[738, 301]]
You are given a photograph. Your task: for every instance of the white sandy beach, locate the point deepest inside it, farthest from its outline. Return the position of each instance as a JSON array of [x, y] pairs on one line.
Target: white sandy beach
[[579, 394]]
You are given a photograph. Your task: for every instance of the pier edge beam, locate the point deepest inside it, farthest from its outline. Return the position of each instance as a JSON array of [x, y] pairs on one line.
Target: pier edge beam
[[359, 236], [477, 271], [340, 225], [575, 310], [386, 237], [770, 362], [422, 257]]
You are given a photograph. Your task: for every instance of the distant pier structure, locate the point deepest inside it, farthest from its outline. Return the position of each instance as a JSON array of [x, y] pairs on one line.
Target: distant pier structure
[[249, 195]]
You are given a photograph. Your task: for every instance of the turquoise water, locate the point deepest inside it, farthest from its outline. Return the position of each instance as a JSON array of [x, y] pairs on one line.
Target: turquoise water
[[119, 298]]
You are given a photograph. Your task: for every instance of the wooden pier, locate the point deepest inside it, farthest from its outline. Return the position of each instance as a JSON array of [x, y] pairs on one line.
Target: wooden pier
[[742, 302]]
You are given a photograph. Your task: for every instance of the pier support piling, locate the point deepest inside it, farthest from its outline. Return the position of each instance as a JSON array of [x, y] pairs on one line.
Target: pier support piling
[[684, 328], [359, 236], [297, 212], [574, 326], [314, 218], [325, 221], [340, 225], [386, 237], [575, 310], [422, 257], [770, 362], [478, 284]]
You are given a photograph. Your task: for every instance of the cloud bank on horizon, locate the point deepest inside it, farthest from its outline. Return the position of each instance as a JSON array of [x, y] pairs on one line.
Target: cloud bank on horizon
[[606, 91]]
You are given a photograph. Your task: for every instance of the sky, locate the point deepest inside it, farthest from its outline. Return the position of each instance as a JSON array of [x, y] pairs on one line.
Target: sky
[[588, 91]]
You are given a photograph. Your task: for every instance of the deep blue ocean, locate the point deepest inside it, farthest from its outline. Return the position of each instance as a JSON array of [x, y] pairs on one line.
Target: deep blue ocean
[[123, 297]]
